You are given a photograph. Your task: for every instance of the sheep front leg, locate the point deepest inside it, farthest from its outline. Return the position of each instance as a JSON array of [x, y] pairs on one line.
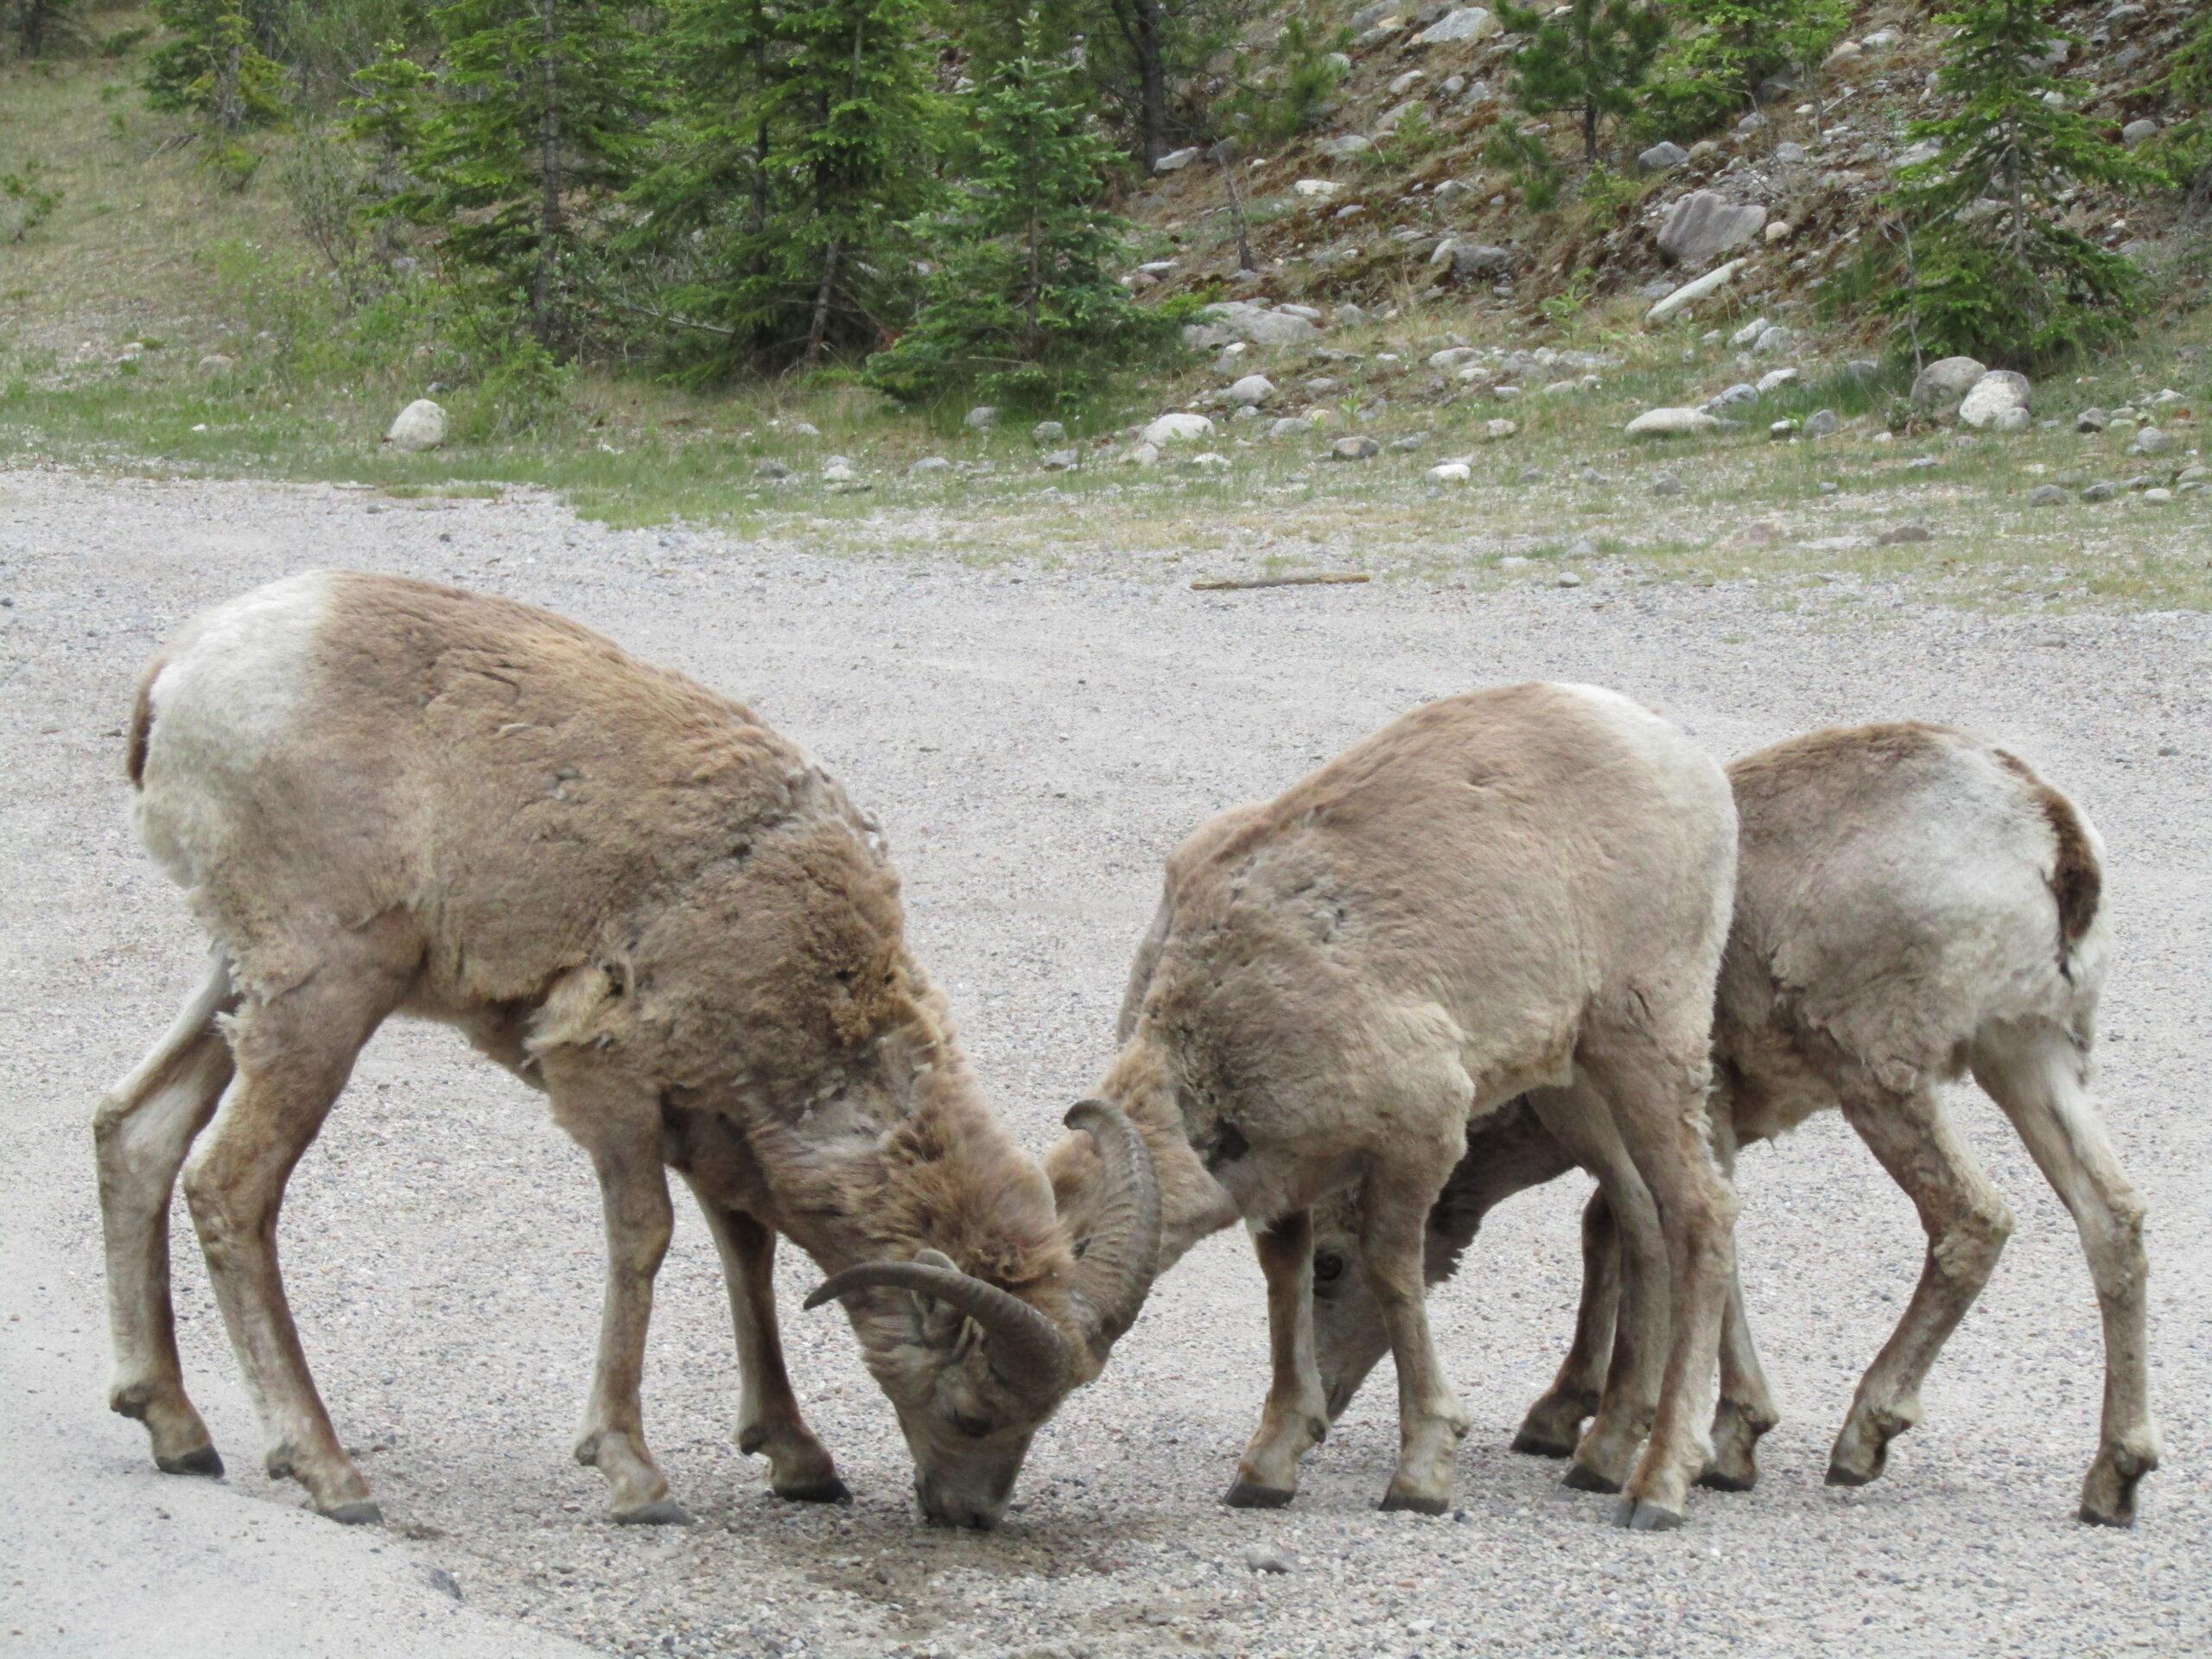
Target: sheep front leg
[[768, 1421], [1296, 1418], [617, 1120], [1431, 1420]]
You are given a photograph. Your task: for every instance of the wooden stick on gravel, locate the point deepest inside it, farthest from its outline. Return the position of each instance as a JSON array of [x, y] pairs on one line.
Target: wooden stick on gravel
[[1326, 578]]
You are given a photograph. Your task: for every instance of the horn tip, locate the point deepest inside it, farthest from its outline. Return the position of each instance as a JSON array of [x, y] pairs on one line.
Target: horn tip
[[826, 1291], [1085, 1112]]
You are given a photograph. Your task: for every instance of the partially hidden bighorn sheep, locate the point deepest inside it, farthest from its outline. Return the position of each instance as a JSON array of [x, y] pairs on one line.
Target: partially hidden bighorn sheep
[[386, 797], [1912, 903], [1517, 888]]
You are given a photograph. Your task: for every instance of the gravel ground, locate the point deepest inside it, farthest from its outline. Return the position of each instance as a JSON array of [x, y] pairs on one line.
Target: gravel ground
[[1034, 740]]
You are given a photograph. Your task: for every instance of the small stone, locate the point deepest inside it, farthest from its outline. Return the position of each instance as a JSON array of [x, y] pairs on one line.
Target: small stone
[[1141, 455], [1175, 160], [1450, 472], [1320, 189], [217, 362], [1821, 423], [1505, 394], [2169, 396], [1210, 462], [1829, 486], [1529, 475], [1252, 390], [1269, 1558], [1781, 431], [1450, 358], [1992, 394], [1568, 578], [1591, 475], [1749, 332], [1354, 448], [1663, 157], [1345, 147], [927, 465], [2161, 493], [838, 470], [2137, 133], [2151, 441], [1763, 532], [1060, 461], [1466, 23], [441, 1581], [1771, 339], [1789, 154], [2102, 490], [1898, 535], [1689, 293], [1774, 379], [1741, 392], [1493, 431], [982, 418], [806, 429], [1703, 224], [1047, 432], [2091, 420], [1387, 122], [1847, 55], [2047, 495], [421, 425], [1666, 484], [1752, 122], [1780, 230], [1671, 423], [769, 468], [1511, 561]]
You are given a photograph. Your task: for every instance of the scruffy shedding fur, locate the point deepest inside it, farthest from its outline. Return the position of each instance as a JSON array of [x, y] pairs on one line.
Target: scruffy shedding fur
[[1911, 903], [382, 796], [1516, 888]]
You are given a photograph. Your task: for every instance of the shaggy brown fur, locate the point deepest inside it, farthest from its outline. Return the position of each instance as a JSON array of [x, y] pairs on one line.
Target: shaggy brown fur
[[1513, 888], [1899, 887], [385, 796]]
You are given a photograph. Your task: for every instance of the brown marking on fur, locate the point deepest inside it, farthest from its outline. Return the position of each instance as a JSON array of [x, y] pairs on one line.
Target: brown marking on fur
[[142, 724], [2076, 881]]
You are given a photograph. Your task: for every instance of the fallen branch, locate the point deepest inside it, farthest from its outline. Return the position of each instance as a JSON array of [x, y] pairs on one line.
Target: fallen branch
[[1326, 579]]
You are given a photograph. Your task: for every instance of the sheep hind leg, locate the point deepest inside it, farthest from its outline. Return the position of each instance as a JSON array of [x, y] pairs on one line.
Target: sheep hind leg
[[768, 1421], [1967, 1224], [142, 1133], [1553, 1425], [1746, 1408], [1431, 1420], [2038, 1083]]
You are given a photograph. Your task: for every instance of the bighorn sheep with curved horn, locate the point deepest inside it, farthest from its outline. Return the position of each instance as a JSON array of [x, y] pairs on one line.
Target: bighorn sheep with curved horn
[[1521, 887], [386, 797], [1911, 902]]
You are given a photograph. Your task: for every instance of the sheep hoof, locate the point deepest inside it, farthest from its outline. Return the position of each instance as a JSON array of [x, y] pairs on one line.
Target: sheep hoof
[[1839, 1476], [1415, 1503], [1583, 1478], [832, 1490], [361, 1512], [1642, 1514], [1535, 1446], [1245, 1496], [662, 1512], [1720, 1480], [200, 1460]]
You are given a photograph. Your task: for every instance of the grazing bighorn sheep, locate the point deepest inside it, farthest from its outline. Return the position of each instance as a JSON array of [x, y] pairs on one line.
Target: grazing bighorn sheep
[[1516, 888], [384, 797], [1911, 902]]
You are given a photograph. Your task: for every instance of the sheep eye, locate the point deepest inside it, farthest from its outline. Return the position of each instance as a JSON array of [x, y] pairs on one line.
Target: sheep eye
[[1328, 1266]]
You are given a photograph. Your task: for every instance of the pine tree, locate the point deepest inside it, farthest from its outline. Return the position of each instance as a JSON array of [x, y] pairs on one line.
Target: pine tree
[[2185, 147], [213, 67], [1993, 270], [544, 109], [803, 137], [1591, 60], [1023, 309], [1726, 50]]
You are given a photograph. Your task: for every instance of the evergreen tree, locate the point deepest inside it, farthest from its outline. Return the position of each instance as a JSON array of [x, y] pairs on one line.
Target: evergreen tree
[[213, 67], [545, 107], [1993, 270], [1023, 309], [1726, 50], [803, 137], [1590, 59], [2185, 147]]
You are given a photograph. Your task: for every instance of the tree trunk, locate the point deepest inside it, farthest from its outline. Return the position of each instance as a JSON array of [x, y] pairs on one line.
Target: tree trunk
[[32, 34], [819, 326], [1029, 305], [549, 162], [1140, 23], [229, 115]]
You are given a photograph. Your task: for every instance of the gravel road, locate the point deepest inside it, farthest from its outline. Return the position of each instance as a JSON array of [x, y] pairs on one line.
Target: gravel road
[[1034, 742]]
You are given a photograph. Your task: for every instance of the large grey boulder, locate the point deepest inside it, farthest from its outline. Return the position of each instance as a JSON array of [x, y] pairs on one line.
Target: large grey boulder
[[1702, 224], [1178, 428], [421, 425], [1993, 395], [1662, 157], [1243, 321], [1467, 24], [1942, 385], [1672, 423]]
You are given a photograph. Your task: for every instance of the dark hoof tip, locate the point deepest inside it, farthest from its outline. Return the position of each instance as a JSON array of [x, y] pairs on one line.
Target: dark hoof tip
[[665, 1512], [1245, 1496], [1720, 1481], [1642, 1514], [832, 1490], [1839, 1476], [362, 1512], [2089, 1517], [1535, 1446], [202, 1461], [1584, 1479], [1412, 1505]]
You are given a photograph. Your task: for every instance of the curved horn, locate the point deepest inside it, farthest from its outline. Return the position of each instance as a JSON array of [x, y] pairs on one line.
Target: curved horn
[[1026, 1349], [1117, 1271]]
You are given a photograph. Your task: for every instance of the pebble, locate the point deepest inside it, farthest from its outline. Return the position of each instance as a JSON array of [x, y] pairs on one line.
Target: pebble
[[1568, 578], [1583, 548], [768, 467], [1666, 484], [1898, 535], [2047, 495], [929, 464], [1821, 423], [1046, 432], [2102, 490], [1494, 430], [1354, 448], [1060, 461], [2160, 494], [1269, 1558], [2151, 441], [980, 418]]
